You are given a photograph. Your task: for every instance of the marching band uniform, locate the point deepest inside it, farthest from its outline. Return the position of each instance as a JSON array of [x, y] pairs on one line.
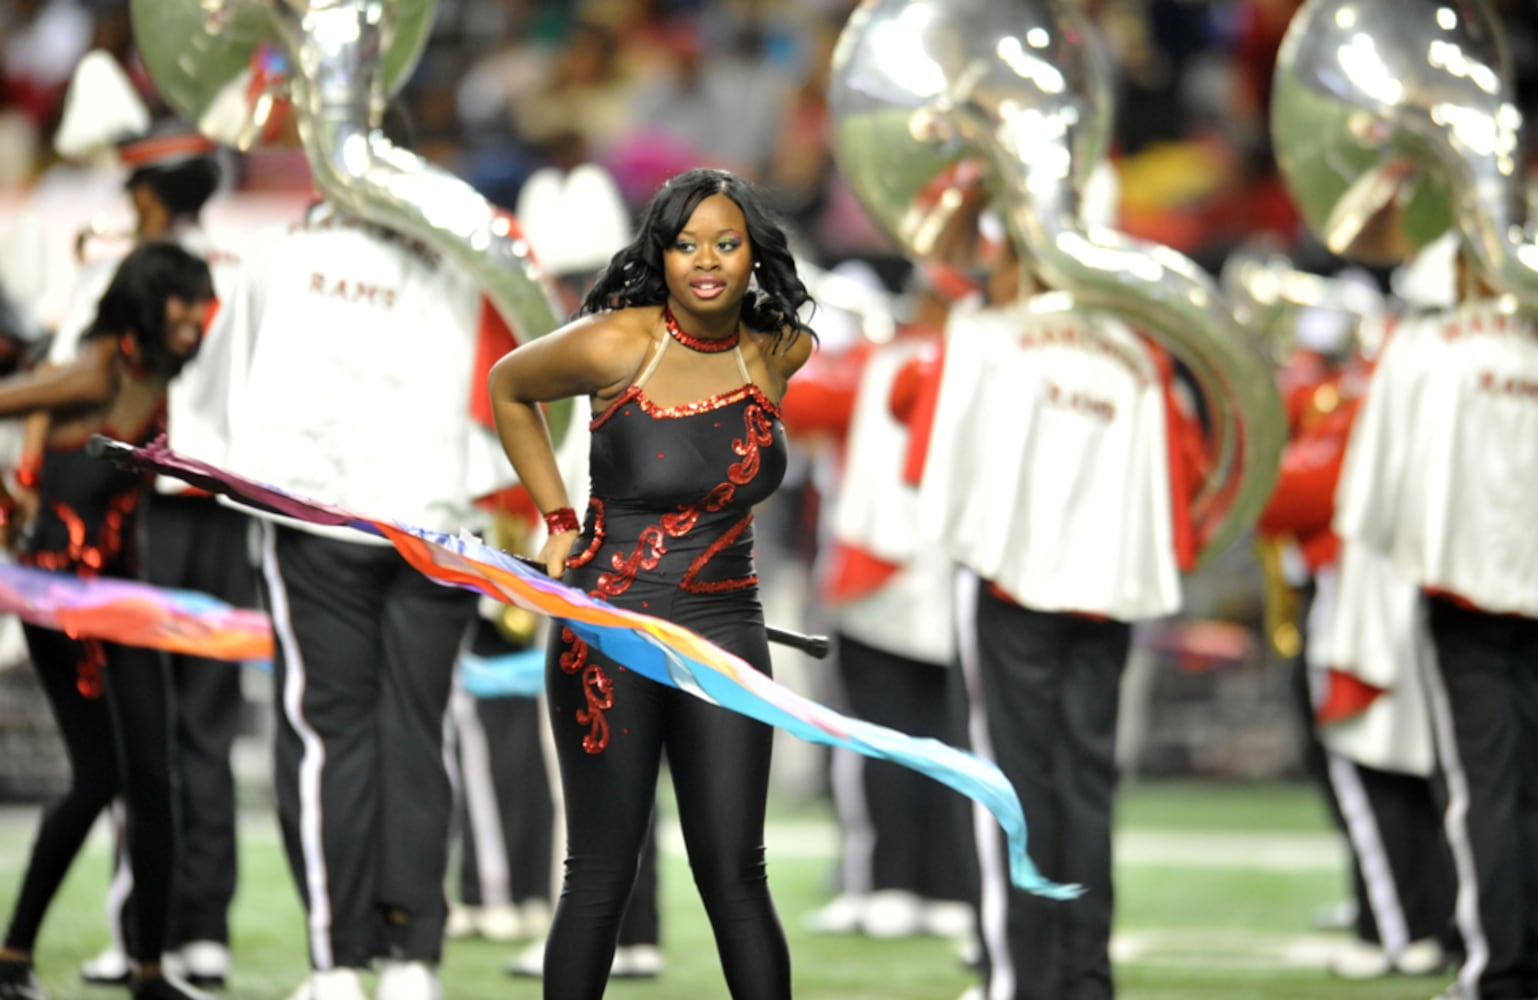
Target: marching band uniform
[[1055, 470], [1366, 718], [353, 353], [1439, 478], [890, 596]]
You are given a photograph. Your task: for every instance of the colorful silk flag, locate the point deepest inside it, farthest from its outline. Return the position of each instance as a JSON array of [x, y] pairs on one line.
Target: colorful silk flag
[[135, 614], [508, 675], [661, 651]]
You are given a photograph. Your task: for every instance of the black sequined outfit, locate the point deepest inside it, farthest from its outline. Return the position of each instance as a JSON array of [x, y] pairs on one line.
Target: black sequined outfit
[[110, 702], [668, 533]]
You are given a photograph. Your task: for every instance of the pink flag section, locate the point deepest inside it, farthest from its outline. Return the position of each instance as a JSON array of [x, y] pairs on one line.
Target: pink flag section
[[135, 614]]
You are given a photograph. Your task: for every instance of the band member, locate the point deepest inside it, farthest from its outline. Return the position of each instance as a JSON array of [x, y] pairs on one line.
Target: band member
[[1368, 730], [905, 867], [352, 359], [1055, 467], [1438, 476]]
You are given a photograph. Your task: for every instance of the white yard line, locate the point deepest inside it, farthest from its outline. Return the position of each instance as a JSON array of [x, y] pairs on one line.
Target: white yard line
[[1224, 948], [814, 839], [1149, 848]]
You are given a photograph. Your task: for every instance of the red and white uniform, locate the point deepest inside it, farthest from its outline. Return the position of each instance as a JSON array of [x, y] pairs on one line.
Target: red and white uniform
[[1364, 631], [900, 601], [1048, 463], [1439, 475], [400, 343]]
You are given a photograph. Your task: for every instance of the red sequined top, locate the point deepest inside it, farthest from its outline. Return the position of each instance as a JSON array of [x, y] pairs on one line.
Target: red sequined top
[[87, 524]]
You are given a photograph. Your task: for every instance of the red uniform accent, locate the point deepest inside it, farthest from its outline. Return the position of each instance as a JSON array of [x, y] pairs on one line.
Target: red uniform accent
[[1188, 461], [853, 573], [1346, 695], [690, 581], [514, 501], [561, 520], [693, 343], [586, 555], [820, 399], [156, 149], [916, 392], [1303, 502]]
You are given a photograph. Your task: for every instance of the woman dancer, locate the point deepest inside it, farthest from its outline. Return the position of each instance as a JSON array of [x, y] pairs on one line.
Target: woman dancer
[[110, 701], [684, 346]]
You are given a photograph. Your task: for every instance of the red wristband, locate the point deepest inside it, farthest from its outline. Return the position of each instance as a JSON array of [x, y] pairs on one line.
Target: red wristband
[[562, 520], [27, 473]]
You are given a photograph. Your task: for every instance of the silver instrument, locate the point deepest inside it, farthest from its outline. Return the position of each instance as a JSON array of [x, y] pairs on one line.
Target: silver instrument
[[1394, 121], [938, 104], [1269, 293], [232, 65]]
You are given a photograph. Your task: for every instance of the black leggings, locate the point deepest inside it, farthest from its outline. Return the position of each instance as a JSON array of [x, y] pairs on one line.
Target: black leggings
[[719, 762], [119, 741]]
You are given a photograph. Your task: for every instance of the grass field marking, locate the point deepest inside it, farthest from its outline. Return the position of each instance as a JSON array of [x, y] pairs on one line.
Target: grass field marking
[[1204, 948], [818, 839], [1219, 849]]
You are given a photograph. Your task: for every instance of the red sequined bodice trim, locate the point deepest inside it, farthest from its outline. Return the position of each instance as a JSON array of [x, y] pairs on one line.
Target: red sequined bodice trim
[[635, 395], [652, 542]]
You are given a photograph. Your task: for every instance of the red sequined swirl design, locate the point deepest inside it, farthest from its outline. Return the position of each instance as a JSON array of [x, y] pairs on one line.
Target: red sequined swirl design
[[650, 547], [87, 561], [597, 691]]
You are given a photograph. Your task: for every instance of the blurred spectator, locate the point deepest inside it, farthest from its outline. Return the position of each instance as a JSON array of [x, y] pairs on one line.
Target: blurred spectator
[[40, 43], [800, 163], [580, 103]]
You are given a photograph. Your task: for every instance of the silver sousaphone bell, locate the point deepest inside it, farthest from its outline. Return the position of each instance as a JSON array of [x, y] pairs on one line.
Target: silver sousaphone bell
[[939, 102], [1394, 121], [234, 66]]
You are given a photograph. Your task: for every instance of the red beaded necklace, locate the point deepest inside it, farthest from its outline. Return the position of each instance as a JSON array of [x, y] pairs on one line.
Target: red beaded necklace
[[694, 343]]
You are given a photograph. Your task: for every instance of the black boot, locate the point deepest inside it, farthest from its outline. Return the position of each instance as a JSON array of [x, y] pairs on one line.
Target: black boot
[[164, 986], [18, 981]]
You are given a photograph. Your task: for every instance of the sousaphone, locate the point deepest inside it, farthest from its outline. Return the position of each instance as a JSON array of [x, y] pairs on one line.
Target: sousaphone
[[937, 103], [236, 67], [1395, 121]]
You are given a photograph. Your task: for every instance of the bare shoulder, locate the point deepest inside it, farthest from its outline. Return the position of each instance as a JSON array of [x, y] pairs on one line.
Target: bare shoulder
[[98, 355], [621, 335], [794, 350], [588, 356]]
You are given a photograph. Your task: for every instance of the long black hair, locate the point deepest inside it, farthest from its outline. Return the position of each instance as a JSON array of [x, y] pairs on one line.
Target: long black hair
[[183, 187], [135, 301], [635, 275]]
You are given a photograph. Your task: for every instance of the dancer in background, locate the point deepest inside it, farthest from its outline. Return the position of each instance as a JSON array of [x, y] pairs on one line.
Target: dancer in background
[[685, 347], [111, 701], [192, 542]]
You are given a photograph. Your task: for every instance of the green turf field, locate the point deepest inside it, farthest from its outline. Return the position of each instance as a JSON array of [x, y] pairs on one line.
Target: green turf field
[[1217, 886]]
